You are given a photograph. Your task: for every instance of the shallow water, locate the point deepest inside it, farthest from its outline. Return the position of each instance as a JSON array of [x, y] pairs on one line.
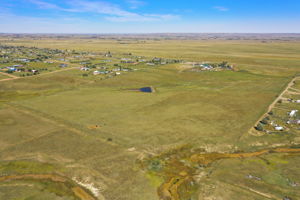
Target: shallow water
[[146, 89]]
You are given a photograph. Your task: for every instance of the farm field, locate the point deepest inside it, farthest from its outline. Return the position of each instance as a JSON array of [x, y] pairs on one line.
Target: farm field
[[188, 139]]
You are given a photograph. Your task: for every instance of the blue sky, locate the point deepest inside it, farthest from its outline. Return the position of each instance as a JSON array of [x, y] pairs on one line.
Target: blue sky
[[149, 16]]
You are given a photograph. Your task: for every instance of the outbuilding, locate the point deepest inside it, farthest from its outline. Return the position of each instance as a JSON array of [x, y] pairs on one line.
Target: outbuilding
[[279, 128], [96, 72], [293, 113]]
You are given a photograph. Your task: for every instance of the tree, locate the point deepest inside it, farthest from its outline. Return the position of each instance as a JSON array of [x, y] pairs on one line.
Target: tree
[[223, 64], [264, 121], [259, 127]]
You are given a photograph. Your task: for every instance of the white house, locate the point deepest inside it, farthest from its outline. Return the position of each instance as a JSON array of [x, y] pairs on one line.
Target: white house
[[293, 113], [293, 121], [116, 69], [96, 72], [22, 60], [84, 68], [206, 67], [279, 128]]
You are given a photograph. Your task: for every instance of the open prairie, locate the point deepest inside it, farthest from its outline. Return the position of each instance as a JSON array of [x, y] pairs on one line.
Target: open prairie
[[117, 143], [263, 56]]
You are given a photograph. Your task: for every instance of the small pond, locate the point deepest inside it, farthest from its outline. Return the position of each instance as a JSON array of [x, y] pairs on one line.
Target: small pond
[[146, 89]]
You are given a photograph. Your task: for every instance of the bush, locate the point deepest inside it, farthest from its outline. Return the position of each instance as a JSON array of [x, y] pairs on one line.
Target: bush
[[267, 118], [155, 165], [264, 121], [259, 127]]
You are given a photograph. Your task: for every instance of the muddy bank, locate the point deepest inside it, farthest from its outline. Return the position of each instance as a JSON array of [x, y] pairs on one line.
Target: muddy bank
[[178, 168], [78, 192]]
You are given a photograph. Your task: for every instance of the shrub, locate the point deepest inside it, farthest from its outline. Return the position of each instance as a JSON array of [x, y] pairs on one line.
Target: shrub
[[267, 118], [264, 121], [155, 165], [259, 127]]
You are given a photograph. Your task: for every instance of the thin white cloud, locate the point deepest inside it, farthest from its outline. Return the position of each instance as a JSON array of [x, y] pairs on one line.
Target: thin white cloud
[[143, 18], [221, 8], [134, 4], [99, 7], [11, 23], [44, 5], [113, 12]]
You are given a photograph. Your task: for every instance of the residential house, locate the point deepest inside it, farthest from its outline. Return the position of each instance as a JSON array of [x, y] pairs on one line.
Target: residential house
[[293, 113], [96, 72], [84, 69], [63, 65], [293, 121], [279, 128]]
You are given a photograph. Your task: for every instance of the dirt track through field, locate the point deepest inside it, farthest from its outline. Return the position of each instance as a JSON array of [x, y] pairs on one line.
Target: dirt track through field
[[54, 122], [61, 70], [13, 77], [78, 191], [272, 105]]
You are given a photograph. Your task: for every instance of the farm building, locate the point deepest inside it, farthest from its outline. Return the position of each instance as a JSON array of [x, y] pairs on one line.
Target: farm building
[[63, 65], [293, 121], [293, 113], [206, 66], [84, 68], [279, 128], [96, 72]]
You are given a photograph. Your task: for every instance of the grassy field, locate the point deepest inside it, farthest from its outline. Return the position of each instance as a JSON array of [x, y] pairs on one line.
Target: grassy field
[[275, 57], [95, 129], [2, 76]]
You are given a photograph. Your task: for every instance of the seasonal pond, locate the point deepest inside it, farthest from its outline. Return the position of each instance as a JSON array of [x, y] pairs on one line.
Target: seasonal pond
[[147, 89]]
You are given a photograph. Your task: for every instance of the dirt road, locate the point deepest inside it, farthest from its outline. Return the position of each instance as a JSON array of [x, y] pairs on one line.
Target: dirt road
[[272, 105], [12, 77]]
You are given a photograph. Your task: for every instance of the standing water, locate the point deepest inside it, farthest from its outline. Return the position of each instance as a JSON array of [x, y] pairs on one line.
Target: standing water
[[146, 89]]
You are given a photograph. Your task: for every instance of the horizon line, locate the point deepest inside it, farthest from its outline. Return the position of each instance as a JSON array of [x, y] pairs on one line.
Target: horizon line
[[114, 33]]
